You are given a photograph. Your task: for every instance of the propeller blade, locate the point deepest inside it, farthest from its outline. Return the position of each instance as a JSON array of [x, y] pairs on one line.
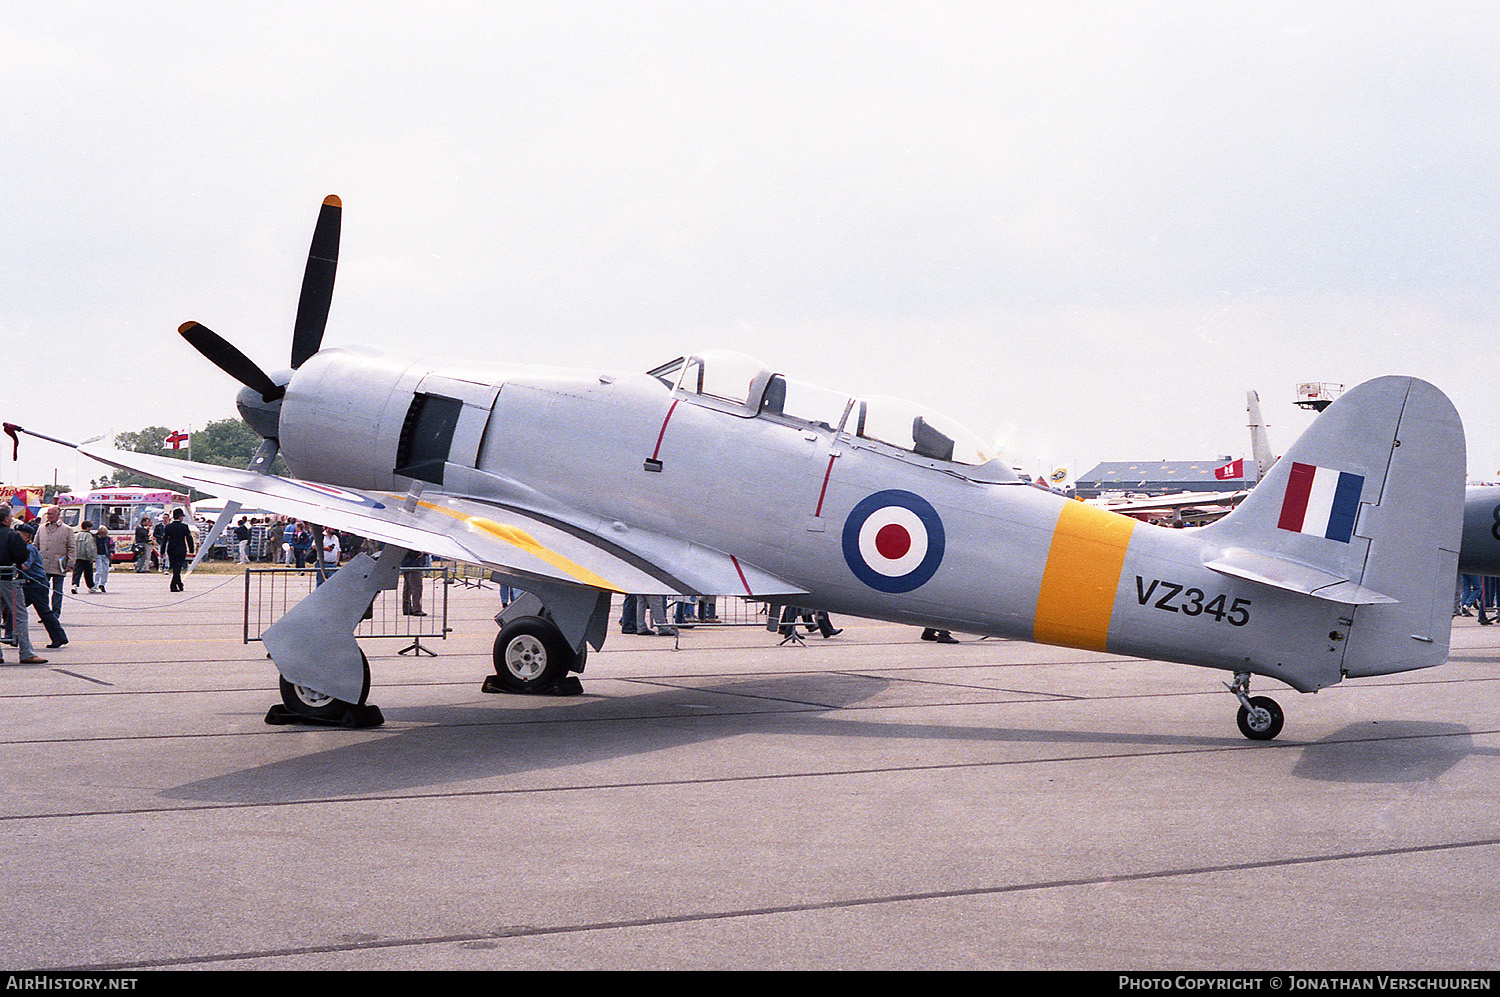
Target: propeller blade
[[317, 282], [230, 360], [261, 462]]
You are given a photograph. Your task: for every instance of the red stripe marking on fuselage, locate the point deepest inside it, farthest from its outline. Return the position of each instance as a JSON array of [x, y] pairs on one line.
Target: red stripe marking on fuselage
[[818, 512], [659, 436]]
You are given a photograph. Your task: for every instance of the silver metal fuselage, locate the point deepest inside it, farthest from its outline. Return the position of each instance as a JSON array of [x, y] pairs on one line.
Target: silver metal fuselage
[[1012, 560]]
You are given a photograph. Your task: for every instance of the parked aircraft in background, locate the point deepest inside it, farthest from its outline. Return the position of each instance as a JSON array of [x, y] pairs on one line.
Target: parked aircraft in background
[[1260, 442], [715, 474], [1481, 534], [1200, 508], [1178, 509]]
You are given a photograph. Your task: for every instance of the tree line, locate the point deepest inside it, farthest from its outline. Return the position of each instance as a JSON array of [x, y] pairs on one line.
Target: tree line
[[226, 442]]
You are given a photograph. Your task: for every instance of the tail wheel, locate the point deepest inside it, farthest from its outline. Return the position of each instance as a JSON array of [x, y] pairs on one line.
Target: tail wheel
[[312, 703], [531, 654], [1262, 720]]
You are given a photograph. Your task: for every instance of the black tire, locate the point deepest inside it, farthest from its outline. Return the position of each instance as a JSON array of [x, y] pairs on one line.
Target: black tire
[[531, 654], [311, 703], [1261, 727]]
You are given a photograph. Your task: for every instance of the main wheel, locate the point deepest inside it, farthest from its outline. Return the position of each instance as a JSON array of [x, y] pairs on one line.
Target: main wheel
[[1263, 721], [311, 703], [531, 654]]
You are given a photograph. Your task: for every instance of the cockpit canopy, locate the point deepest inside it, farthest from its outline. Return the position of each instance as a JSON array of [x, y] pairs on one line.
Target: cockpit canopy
[[739, 384]]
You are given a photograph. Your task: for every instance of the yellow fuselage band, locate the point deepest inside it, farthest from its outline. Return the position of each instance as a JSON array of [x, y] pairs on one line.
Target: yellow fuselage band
[[1082, 576]]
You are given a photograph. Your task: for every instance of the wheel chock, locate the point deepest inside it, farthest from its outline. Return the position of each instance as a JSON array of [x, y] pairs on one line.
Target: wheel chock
[[353, 718], [568, 685]]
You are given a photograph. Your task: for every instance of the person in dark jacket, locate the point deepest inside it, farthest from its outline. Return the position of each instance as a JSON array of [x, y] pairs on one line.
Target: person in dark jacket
[[159, 552], [412, 579], [177, 544], [104, 555], [143, 545], [14, 554], [302, 544], [242, 535], [37, 592]]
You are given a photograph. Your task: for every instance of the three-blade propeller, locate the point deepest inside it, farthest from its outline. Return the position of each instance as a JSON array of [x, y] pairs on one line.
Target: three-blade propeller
[[312, 312], [307, 339]]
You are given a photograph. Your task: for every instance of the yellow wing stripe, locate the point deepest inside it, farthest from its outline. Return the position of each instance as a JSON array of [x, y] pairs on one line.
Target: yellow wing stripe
[[519, 538], [1082, 576]]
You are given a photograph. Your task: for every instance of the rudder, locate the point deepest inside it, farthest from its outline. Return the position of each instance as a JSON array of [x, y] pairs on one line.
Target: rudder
[[1366, 510]]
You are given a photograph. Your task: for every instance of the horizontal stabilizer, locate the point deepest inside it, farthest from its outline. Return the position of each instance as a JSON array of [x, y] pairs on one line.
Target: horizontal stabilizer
[[1293, 576]]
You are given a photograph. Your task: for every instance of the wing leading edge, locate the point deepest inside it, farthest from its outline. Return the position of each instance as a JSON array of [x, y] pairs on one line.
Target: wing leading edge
[[479, 532]]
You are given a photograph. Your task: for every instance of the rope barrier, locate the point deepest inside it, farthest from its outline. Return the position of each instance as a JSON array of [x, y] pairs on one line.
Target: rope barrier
[[165, 605]]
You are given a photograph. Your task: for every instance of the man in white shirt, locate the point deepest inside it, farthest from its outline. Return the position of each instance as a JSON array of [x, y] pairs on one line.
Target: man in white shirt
[[328, 553]]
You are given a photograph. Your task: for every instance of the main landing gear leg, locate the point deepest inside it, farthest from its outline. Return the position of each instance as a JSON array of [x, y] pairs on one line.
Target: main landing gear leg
[[325, 677], [1260, 718], [544, 636]]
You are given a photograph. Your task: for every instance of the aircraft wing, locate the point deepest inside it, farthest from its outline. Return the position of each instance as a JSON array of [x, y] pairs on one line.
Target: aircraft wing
[[470, 529]]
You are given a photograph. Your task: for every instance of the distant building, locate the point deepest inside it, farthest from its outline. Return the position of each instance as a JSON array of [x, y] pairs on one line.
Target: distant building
[[1165, 477]]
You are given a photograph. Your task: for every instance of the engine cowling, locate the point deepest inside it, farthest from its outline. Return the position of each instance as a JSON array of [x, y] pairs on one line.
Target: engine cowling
[[342, 415]]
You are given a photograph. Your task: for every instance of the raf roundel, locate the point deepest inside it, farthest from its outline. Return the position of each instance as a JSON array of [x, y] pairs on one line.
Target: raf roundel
[[329, 491], [893, 541]]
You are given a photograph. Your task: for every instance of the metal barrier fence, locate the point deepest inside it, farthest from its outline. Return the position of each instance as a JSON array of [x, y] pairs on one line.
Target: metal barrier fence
[[270, 592], [470, 576], [699, 613], [715, 611]]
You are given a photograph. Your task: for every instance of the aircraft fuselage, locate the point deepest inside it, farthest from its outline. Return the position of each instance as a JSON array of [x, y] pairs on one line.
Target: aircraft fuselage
[[875, 530]]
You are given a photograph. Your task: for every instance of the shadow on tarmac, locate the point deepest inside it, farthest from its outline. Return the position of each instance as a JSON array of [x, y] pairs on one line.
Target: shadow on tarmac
[[448, 753], [1388, 751]]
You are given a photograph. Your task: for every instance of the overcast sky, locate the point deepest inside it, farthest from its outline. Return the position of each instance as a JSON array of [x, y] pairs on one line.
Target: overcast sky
[[1082, 229]]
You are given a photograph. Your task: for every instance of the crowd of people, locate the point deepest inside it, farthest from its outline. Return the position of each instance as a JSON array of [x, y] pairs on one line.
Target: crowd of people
[[38, 557], [271, 540], [290, 542]]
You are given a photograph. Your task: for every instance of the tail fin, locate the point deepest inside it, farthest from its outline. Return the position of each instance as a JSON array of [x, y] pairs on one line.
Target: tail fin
[[1260, 443], [1365, 509]]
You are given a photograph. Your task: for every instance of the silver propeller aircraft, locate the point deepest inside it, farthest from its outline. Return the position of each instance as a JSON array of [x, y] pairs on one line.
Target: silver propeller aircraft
[[715, 474], [1481, 537]]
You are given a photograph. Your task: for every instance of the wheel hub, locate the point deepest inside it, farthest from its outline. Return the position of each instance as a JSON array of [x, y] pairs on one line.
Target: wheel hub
[[526, 657], [312, 697]]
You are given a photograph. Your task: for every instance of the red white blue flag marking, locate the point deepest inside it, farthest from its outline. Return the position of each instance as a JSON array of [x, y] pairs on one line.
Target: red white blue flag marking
[[1321, 502]]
